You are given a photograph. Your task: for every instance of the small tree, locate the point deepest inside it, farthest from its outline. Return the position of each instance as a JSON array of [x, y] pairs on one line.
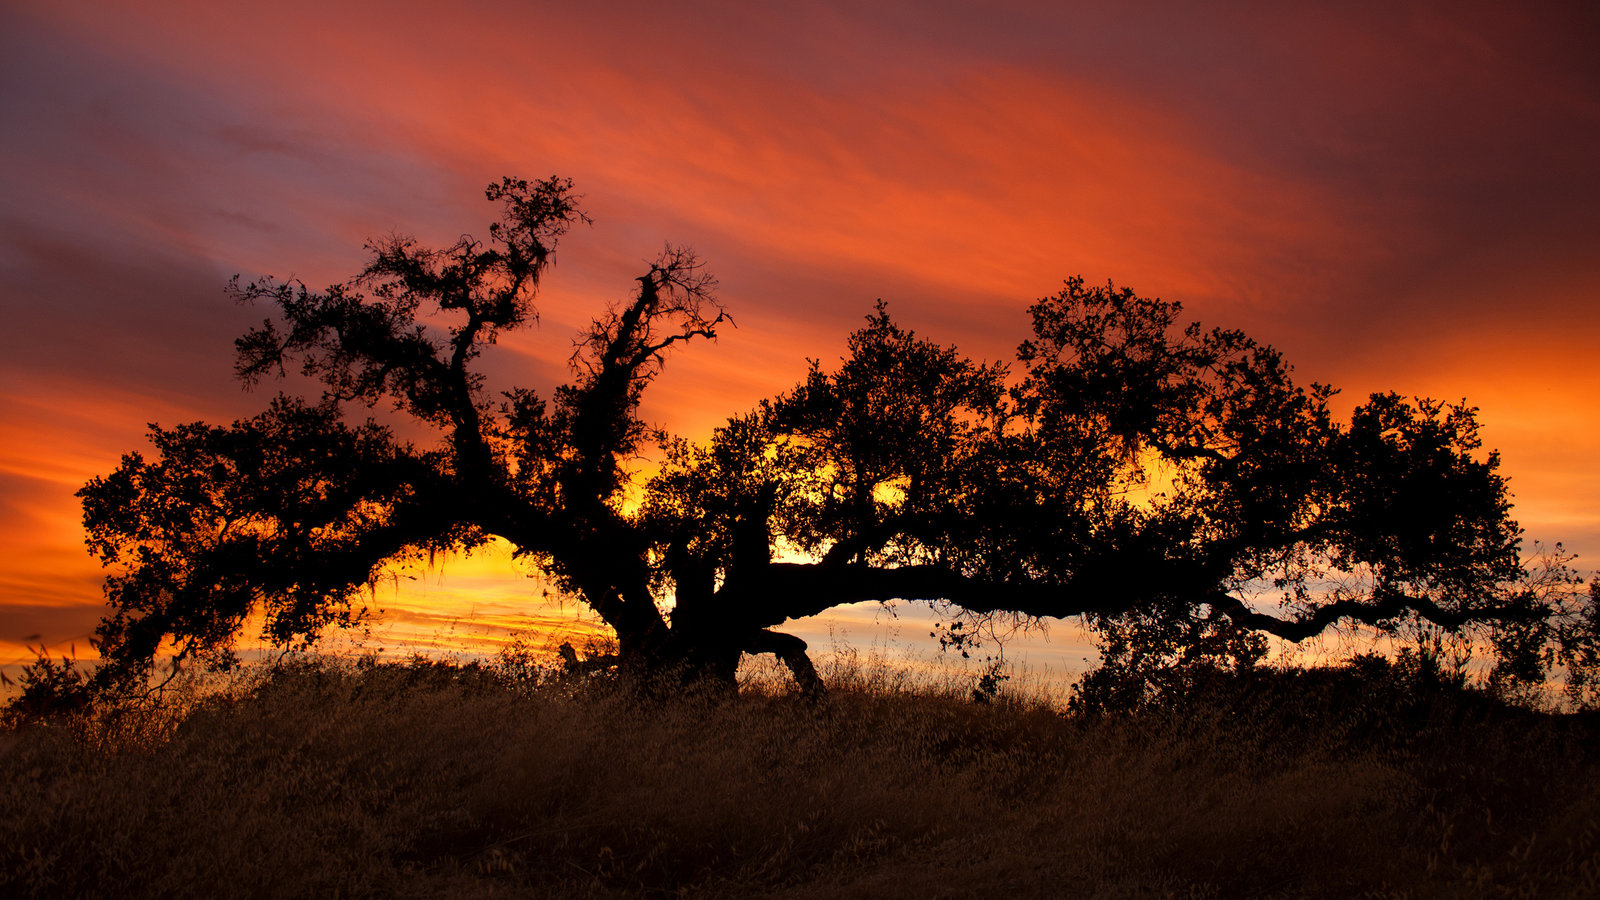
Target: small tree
[[49, 691], [1172, 486]]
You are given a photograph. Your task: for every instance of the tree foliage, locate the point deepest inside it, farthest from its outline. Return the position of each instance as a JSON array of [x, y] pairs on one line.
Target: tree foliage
[[1171, 486]]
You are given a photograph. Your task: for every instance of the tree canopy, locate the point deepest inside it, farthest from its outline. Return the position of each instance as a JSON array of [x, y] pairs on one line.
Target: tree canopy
[[1170, 485]]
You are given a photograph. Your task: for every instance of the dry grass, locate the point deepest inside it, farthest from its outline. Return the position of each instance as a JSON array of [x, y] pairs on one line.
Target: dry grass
[[333, 780]]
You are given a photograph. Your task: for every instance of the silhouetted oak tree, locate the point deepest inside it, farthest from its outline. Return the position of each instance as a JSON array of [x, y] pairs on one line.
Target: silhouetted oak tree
[[1170, 485]]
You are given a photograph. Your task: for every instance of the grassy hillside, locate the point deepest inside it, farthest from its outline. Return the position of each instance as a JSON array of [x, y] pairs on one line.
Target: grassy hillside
[[375, 781]]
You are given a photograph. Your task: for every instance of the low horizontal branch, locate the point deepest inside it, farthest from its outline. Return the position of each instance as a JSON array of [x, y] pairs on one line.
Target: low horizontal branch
[[1366, 612], [794, 590]]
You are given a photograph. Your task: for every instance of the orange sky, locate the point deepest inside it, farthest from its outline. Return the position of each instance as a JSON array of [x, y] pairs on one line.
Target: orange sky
[[1398, 195]]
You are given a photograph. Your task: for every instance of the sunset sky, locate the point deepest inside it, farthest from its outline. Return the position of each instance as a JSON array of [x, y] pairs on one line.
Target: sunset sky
[[1398, 195]]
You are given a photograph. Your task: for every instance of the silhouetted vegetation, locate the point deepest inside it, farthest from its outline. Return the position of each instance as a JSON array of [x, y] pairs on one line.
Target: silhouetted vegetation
[[320, 778], [1169, 485]]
